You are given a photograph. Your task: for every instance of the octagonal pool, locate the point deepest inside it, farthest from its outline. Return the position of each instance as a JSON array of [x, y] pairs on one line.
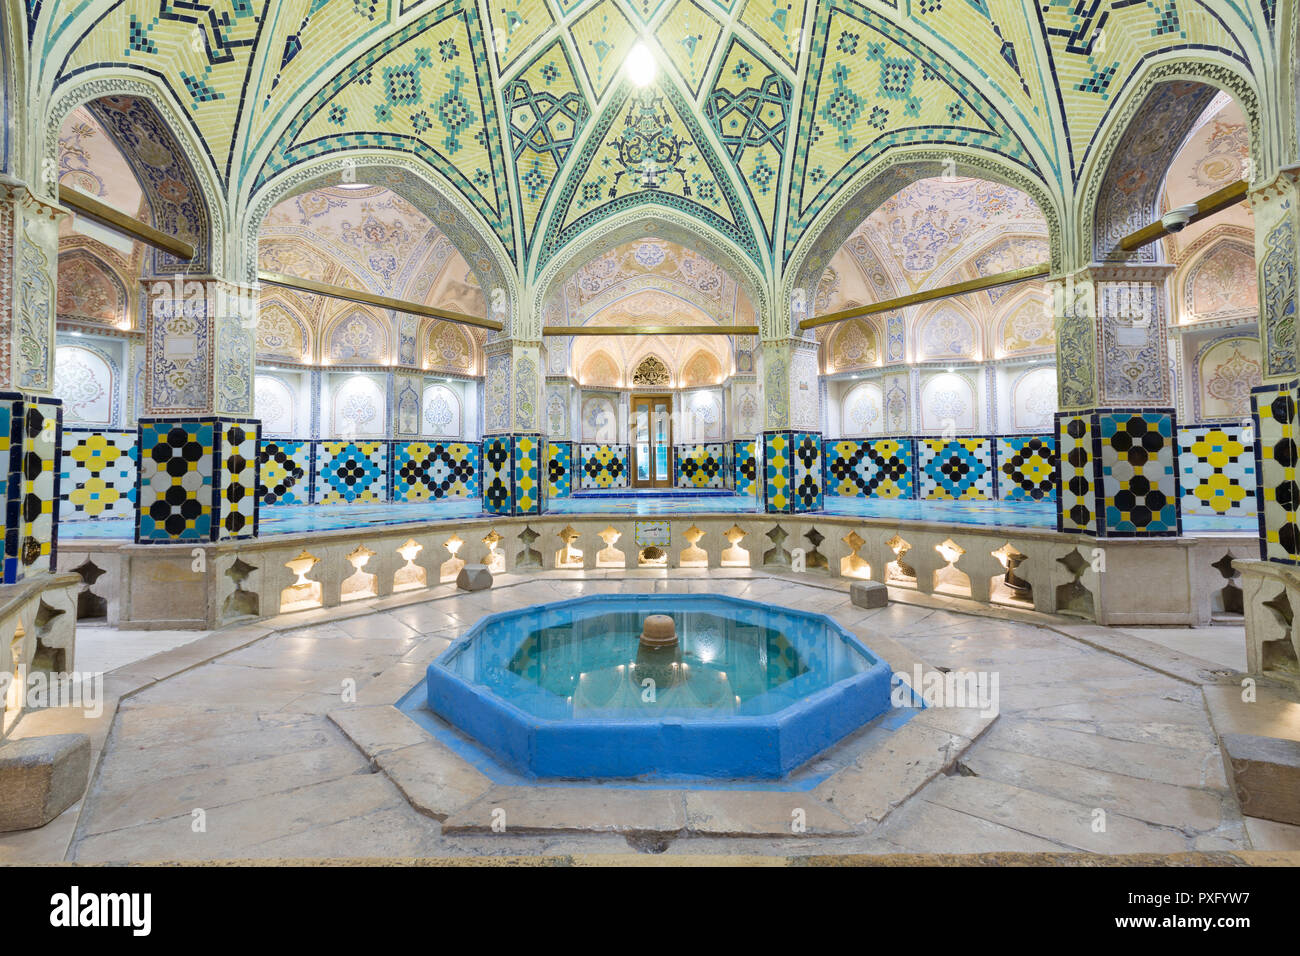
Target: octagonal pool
[[588, 689]]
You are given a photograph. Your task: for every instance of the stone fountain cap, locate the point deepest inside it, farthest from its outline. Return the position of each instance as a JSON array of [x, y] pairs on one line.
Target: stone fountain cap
[[658, 631]]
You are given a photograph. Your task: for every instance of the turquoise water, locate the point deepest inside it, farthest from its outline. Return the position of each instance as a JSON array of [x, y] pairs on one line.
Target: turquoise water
[[564, 691], [584, 661]]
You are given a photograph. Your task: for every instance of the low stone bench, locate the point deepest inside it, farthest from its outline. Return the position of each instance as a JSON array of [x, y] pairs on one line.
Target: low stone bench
[[40, 777], [868, 594]]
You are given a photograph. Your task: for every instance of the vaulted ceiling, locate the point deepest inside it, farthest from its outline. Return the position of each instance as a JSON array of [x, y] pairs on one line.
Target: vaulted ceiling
[[762, 112]]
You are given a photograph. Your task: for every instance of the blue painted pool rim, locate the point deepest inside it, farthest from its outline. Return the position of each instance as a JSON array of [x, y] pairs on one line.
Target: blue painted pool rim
[[767, 746]]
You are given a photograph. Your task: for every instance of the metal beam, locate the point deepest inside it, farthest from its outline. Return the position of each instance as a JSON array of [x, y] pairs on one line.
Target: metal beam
[[929, 295], [118, 221], [1218, 201], [379, 301], [550, 330]]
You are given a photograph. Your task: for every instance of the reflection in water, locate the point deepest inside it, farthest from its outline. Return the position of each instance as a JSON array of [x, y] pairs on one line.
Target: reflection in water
[[589, 662]]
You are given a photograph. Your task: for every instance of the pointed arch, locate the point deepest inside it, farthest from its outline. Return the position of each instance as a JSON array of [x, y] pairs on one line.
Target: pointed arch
[[886, 176], [1124, 172], [183, 192], [662, 223], [418, 185]]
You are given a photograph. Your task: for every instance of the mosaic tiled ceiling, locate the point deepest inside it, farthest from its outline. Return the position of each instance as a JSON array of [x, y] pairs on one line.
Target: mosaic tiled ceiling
[[761, 113]]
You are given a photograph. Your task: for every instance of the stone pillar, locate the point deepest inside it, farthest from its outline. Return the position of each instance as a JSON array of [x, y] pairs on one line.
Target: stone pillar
[[1116, 430], [513, 482], [792, 446], [198, 441], [31, 429], [1276, 207]]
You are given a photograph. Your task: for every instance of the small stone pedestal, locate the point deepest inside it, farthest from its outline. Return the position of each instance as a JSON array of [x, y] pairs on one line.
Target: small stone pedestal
[[1265, 776], [474, 577], [40, 777], [868, 594]]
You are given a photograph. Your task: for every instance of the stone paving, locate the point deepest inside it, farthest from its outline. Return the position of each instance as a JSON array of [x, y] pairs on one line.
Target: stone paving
[[241, 745]]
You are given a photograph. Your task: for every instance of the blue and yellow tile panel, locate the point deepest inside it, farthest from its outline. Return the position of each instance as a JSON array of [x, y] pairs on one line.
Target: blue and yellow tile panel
[[498, 478], [1118, 473], [559, 469], [31, 432], [1026, 467], [197, 479], [1216, 469], [602, 466], [1277, 483], [700, 466], [348, 471], [429, 470], [512, 475], [869, 467], [529, 488], [745, 466], [1076, 479], [286, 471], [97, 473], [792, 472], [238, 500], [955, 469], [1139, 472]]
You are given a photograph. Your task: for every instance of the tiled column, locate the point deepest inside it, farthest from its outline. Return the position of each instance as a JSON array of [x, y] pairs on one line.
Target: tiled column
[[791, 446], [1116, 431], [197, 479], [1276, 207], [198, 442], [558, 462], [30, 420], [513, 482]]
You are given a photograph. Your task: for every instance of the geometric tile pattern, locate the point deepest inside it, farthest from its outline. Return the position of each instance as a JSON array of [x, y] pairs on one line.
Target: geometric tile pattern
[[602, 466], [1279, 485], [97, 475], [1216, 469], [746, 467], [792, 472], [33, 426], [424, 471], [529, 487], [512, 475], [958, 469], [777, 496], [806, 479], [559, 469], [869, 468], [1139, 472], [497, 481], [1076, 494], [701, 466], [1027, 468], [235, 507], [348, 471], [174, 497], [285, 466]]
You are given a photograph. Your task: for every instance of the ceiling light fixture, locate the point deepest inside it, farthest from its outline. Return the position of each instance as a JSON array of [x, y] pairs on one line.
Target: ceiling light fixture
[[354, 185], [641, 65]]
